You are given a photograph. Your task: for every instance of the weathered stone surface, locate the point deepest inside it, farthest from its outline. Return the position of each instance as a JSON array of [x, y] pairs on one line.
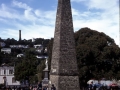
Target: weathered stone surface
[[65, 82], [54, 80], [64, 64]]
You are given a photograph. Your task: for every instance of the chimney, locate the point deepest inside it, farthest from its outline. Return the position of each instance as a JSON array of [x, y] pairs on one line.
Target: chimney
[[19, 35]]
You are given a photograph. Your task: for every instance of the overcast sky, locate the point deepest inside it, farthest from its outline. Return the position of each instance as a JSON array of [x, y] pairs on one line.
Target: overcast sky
[[36, 18]]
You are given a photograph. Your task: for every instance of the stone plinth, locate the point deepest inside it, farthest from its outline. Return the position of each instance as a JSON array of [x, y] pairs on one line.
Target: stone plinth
[[45, 81]]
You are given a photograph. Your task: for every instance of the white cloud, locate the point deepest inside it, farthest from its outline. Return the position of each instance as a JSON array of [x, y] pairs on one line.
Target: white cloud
[[38, 13], [99, 4], [5, 12], [78, 0], [3, 20], [20, 5], [31, 31], [75, 12], [29, 15], [42, 23], [39, 31], [103, 16], [9, 32]]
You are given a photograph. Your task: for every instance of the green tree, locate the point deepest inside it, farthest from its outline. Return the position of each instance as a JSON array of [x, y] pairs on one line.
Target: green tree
[[29, 68], [49, 51], [97, 55], [26, 68], [40, 69]]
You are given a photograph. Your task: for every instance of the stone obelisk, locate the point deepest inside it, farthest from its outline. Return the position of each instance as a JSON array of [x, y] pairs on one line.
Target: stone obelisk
[[64, 71]]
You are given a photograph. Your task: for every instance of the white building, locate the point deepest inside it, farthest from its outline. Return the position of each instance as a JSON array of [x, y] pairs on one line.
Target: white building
[[19, 46], [7, 76], [38, 46], [6, 50], [39, 50]]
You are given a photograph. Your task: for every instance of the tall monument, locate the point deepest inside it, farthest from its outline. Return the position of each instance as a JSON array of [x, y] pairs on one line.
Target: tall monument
[[64, 71], [19, 35]]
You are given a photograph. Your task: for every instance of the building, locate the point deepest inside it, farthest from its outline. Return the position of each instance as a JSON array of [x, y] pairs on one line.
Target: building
[[6, 50], [38, 46], [7, 76], [19, 46]]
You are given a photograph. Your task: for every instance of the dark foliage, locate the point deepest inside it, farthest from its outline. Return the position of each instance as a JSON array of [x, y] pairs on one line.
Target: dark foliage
[[97, 54], [29, 42], [49, 48]]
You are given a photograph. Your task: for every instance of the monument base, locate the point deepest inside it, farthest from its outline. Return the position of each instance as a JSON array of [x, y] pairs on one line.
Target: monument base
[[65, 82], [45, 82]]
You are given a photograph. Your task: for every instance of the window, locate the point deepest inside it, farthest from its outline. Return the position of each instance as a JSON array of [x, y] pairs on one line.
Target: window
[[13, 80], [4, 71], [10, 71]]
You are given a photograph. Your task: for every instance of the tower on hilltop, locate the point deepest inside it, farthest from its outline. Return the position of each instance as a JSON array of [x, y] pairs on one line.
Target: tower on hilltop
[[64, 70], [19, 35]]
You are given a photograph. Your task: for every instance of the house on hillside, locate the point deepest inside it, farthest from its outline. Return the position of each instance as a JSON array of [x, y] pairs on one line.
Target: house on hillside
[[7, 76], [22, 46], [38, 46], [19, 46], [6, 50]]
